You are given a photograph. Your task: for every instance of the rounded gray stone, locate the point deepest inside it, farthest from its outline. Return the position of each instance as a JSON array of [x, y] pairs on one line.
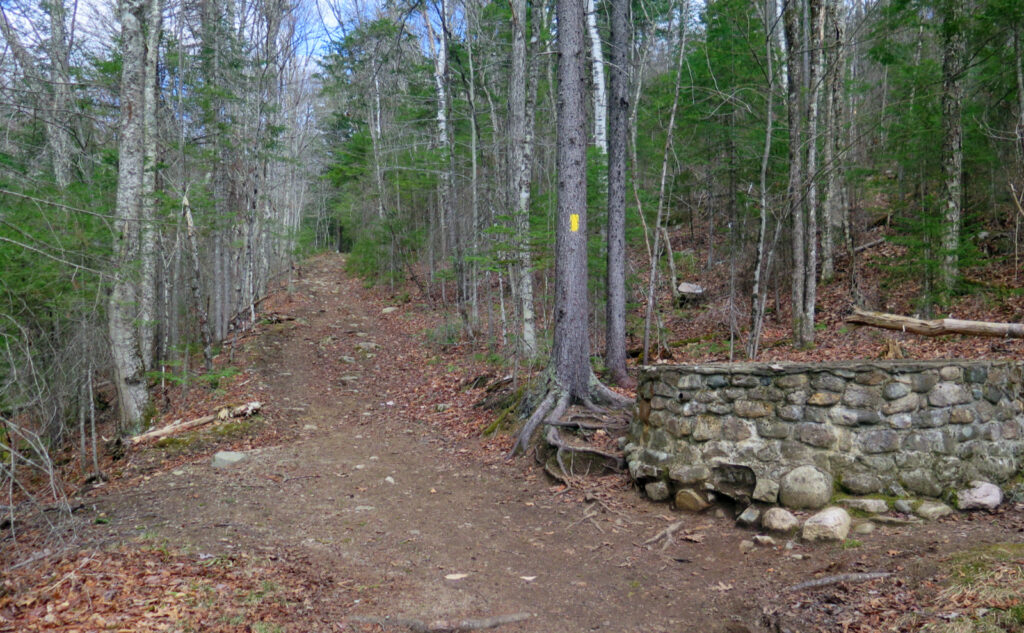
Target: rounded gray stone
[[867, 527], [871, 506], [982, 495], [691, 501], [657, 490], [749, 517], [904, 506], [779, 520], [831, 524], [224, 459], [931, 510], [805, 487]]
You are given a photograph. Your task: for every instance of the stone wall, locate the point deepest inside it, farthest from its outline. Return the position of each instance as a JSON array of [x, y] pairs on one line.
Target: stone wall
[[889, 427]]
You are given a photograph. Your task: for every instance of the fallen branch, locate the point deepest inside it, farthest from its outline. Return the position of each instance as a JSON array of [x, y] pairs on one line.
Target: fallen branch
[[242, 411], [664, 534], [864, 247], [668, 535], [935, 327], [833, 580], [445, 626]]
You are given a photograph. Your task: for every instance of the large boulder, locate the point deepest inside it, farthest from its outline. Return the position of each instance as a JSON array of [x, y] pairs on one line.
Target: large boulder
[[805, 487], [831, 524]]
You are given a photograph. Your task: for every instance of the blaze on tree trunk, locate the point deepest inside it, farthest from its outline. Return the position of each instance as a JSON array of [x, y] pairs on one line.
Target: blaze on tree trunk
[[569, 377], [570, 354]]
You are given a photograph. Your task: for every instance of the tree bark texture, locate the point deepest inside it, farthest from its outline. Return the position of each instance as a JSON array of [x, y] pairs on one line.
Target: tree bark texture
[[597, 72], [130, 380], [813, 44], [953, 61], [571, 349], [147, 218], [521, 139], [834, 210], [615, 309], [791, 20]]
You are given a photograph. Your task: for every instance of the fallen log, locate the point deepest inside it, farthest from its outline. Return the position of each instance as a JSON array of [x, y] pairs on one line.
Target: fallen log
[[935, 327], [241, 411]]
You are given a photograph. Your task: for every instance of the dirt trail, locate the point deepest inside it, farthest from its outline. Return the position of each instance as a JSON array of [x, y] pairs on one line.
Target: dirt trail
[[370, 500]]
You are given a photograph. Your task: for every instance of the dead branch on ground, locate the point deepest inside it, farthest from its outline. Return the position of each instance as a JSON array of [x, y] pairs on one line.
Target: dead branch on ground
[[833, 580], [667, 536], [444, 626], [242, 411]]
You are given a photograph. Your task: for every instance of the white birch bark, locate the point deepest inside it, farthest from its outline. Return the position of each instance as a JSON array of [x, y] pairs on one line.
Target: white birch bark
[[147, 220], [597, 76], [520, 137], [129, 378]]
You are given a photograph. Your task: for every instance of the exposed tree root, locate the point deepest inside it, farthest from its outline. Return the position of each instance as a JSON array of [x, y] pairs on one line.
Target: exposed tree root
[[554, 405], [445, 626], [555, 439], [581, 422]]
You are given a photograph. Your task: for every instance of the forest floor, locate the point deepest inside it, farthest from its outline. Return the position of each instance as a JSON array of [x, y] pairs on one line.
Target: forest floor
[[370, 501]]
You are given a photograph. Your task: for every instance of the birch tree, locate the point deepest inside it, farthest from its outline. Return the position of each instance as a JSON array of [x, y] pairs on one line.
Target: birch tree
[[122, 310], [521, 101], [600, 94]]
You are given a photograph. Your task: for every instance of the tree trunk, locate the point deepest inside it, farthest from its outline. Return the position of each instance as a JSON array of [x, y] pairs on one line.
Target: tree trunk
[[147, 220], [833, 153], [56, 105], [814, 42], [791, 19], [522, 98], [763, 261], [615, 309], [130, 380], [953, 59], [61, 144], [571, 350], [197, 294], [597, 72]]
